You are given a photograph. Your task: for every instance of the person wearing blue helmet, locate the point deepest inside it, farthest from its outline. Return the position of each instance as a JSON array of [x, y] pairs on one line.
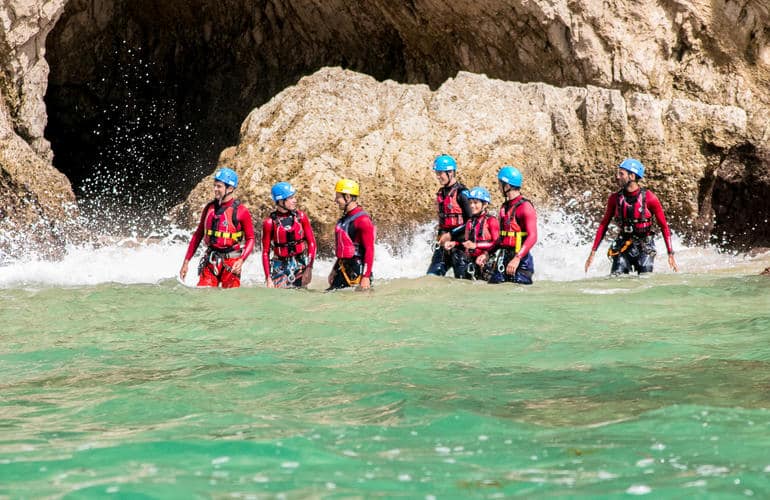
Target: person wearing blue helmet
[[481, 233], [453, 212], [226, 228], [518, 232], [632, 208], [286, 233]]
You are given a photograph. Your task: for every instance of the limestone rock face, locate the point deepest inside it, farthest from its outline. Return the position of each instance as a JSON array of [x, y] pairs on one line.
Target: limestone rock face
[[683, 84], [338, 123], [35, 199]]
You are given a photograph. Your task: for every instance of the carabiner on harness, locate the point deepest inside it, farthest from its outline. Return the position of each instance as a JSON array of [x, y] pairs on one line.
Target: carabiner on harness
[[470, 269]]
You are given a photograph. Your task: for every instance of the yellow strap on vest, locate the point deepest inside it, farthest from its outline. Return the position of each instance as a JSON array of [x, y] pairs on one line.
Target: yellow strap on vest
[[613, 253], [518, 234], [347, 279], [220, 234]]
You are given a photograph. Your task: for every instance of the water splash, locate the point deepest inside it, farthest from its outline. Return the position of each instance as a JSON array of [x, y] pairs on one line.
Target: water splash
[[559, 256]]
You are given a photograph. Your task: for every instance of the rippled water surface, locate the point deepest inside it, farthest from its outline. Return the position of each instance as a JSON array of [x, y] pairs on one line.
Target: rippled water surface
[[424, 388]]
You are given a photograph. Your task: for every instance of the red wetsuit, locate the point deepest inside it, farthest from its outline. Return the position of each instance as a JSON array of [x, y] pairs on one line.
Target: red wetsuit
[[269, 233], [526, 218], [482, 229], [363, 234], [213, 274], [653, 205]]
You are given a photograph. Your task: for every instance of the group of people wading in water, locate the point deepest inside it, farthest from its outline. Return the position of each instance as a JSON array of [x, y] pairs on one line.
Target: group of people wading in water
[[474, 243]]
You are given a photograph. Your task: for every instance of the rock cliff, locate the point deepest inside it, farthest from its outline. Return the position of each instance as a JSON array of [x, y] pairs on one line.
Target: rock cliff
[[141, 90]]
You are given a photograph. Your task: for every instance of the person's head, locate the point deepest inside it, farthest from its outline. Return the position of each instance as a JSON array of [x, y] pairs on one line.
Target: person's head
[[509, 179], [225, 182], [479, 199], [283, 195], [445, 167], [346, 192], [629, 171]]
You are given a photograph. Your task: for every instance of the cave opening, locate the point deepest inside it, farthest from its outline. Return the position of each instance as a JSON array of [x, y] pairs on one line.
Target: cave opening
[[143, 96]]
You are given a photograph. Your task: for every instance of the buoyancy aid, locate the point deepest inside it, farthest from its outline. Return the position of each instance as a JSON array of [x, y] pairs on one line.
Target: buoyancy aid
[[288, 237], [344, 234], [511, 234], [222, 229], [632, 215], [450, 211], [477, 231]]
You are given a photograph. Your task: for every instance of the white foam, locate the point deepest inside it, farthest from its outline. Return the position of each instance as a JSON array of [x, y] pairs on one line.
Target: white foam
[[559, 255]]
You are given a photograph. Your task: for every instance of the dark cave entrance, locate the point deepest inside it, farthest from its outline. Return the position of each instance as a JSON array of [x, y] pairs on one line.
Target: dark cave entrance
[[143, 96]]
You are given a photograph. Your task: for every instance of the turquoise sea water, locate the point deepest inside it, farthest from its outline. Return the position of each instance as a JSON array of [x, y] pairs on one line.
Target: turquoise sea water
[[425, 388]]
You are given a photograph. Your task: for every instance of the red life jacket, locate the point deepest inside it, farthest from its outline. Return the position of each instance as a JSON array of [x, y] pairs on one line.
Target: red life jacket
[[511, 234], [632, 215], [344, 234], [450, 212], [222, 229], [477, 231], [288, 237]]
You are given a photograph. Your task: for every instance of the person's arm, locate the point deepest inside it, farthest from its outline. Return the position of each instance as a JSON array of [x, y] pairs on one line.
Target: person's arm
[[528, 217], [247, 226], [194, 242], [465, 206], [267, 237], [653, 204], [311, 244], [365, 236], [494, 232], [605, 222]]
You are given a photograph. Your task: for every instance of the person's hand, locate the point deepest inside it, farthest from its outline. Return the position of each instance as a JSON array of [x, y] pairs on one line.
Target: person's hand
[[307, 275], [449, 245], [183, 270], [236, 267], [590, 259], [365, 284], [269, 282], [444, 238], [510, 269], [482, 259], [469, 245], [672, 263]]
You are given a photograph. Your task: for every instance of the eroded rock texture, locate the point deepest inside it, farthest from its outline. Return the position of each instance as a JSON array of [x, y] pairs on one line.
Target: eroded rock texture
[[143, 95]]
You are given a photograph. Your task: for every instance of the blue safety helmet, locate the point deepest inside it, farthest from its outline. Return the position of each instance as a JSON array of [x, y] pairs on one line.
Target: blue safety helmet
[[634, 166], [479, 193], [510, 175], [227, 176], [444, 163], [282, 191]]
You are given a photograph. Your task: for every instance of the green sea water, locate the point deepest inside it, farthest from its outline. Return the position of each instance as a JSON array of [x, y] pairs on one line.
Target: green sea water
[[424, 388]]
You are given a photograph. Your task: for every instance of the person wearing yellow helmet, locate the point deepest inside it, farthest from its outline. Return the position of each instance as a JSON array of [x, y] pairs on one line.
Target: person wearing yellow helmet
[[354, 237]]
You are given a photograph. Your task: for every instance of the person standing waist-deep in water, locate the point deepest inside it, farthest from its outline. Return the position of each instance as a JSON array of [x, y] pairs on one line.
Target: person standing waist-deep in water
[[481, 233], [453, 212], [226, 229], [518, 232], [286, 232], [632, 208], [354, 237]]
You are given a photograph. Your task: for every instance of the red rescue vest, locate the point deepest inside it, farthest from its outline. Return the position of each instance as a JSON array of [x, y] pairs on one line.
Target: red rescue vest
[[632, 215], [477, 231], [344, 234], [222, 229], [511, 234], [288, 237], [450, 212]]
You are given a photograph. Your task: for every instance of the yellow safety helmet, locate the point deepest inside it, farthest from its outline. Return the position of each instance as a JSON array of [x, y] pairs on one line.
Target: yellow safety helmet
[[347, 186]]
